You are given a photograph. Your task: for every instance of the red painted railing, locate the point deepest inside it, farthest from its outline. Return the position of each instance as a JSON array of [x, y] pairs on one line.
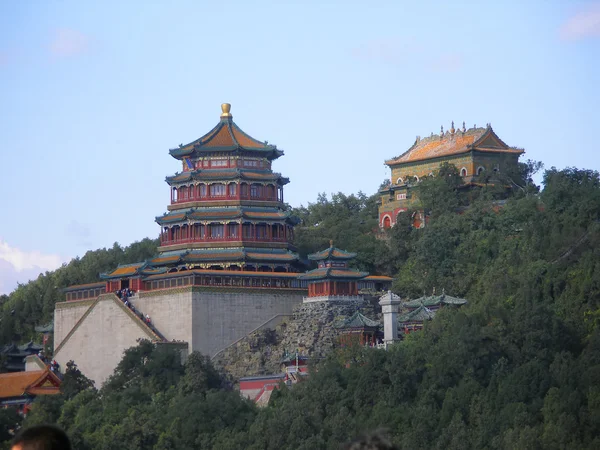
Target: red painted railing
[[210, 198], [223, 239]]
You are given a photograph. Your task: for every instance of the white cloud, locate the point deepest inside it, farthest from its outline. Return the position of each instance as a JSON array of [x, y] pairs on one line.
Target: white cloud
[[18, 266], [66, 42], [584, 24]]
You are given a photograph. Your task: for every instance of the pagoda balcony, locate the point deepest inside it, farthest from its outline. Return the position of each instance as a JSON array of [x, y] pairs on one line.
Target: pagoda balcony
[[214, 198], [223, 239]]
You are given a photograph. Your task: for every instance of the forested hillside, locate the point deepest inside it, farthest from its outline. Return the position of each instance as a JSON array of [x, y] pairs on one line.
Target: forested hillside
[[517, 368]]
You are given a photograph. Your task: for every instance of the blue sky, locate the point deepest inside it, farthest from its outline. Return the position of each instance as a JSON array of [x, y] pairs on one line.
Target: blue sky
[[93, 94]]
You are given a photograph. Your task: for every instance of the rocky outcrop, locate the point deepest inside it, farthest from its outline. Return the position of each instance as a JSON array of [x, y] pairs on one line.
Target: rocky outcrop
[[310, 330]]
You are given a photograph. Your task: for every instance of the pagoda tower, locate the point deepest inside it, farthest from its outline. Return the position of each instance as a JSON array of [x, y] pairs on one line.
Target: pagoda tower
[[227, 210]]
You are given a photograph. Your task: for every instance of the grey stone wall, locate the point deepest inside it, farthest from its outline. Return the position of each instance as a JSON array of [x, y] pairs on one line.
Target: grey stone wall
[[310, 330], [66, 315], [98, 342]]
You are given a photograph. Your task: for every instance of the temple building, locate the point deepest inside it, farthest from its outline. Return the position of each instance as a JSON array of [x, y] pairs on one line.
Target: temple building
[[332, 279], [359, 329], [476, 152], [424, 308]]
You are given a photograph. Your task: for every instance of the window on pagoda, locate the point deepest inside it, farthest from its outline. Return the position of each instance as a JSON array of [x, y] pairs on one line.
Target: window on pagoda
[[261, 231], [202, 189], [463, 172], [217, 190], [174, 194], [480, 170], [255, 191], [198, 231], [247, 230], [232, 189], [244, 190], [232, 229], [217, 231], [271, 191], [218, 163], [184, 193]]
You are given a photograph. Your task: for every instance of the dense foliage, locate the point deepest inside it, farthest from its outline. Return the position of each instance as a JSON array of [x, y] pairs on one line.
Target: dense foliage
[[517, 368]]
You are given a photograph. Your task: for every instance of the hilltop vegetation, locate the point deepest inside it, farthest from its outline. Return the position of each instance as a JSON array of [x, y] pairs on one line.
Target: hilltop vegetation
[[517, 368]]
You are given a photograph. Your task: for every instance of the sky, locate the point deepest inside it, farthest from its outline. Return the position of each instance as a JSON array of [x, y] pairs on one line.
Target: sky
[[93, 95]]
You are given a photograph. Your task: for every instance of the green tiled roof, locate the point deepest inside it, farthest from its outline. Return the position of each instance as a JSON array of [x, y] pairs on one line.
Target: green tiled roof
[[226, 255], [226, 174], [124, 270], [358, 321], [435, 300], [45, 328], [331, 273], [421, 314], [200, 214], [332, 253]]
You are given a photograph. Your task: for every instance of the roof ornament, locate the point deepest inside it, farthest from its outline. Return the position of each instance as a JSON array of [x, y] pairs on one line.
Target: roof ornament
[[225, 108], [441, 131], [464, 128], [452, 130]]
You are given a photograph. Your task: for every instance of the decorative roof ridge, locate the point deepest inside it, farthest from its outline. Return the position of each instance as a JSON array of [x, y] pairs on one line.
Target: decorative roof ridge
[[230, 131], [488, 132], [436, 137]]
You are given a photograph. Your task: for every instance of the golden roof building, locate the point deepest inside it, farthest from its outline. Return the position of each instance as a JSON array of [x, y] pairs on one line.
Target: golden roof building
[[474, 151]]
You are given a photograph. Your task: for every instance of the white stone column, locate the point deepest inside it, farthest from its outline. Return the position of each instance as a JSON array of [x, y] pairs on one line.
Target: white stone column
[[390, 304]]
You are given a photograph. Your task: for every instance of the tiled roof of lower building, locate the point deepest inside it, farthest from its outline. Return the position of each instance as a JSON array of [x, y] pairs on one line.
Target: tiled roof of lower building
[[421, 314], [434, 300], [358, 320], [17, 384], [328, 272]]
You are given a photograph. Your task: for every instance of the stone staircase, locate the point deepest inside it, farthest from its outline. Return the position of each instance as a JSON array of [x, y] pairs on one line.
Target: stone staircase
[[139, 316]]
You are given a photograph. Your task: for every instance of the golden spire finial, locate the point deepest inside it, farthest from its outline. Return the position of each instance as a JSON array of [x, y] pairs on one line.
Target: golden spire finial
[[225, 107]]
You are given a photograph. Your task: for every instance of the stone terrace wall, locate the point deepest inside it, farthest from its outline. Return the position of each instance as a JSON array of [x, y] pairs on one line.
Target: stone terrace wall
[[310, 330]]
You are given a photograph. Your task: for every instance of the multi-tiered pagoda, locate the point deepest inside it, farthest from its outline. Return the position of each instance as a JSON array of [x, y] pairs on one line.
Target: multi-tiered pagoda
[[227, 209], [226, 225]]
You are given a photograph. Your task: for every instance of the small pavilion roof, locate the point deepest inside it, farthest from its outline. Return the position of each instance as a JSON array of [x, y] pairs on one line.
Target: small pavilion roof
[[124, 270], [421, 314], [49, 327], [331, 253], [454, 142], [226, 136], [434, 300], [226, 175], [358, 320], [332, 273]]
